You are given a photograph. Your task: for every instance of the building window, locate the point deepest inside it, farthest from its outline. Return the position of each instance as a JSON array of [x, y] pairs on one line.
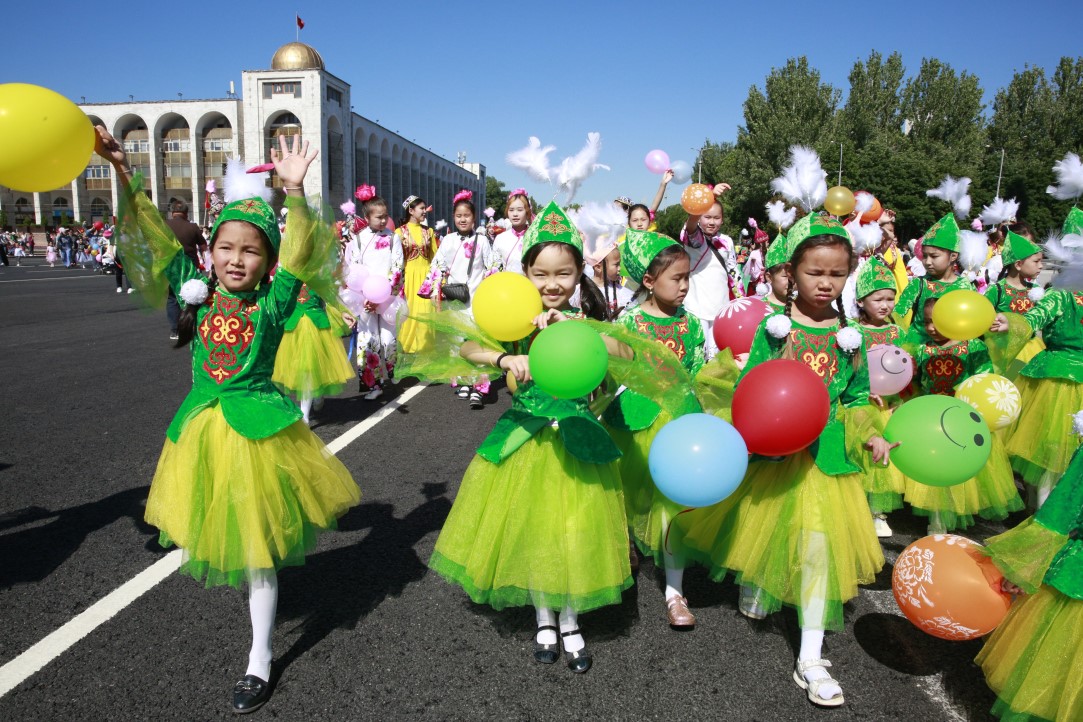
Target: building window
[[270, 89], [137, 145], [97, 171], [176, 146], [334, 96]]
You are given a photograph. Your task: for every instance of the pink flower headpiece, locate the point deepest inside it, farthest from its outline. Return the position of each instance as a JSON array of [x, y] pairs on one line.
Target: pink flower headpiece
[[489, 213], [518, 192], [348, 208], [752, 223], [463, 195], [365, 193]]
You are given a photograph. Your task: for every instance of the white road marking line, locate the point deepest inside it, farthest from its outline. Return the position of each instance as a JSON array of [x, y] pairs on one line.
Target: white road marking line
[[53, 645], [66, 278]]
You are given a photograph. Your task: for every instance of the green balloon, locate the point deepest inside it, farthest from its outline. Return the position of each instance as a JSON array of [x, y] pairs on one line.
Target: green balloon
[[942, 441], [568, 360]]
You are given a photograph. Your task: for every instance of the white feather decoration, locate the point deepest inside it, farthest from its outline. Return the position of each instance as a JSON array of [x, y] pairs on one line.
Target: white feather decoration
[[504, 223], [917, 268], [1065, 255], [533, 159], [999, 211], [240, 185], [1077, 422], [575, 169], [866, 237], [440, 225], [954, 191], [781, 216], [863, 202], [993, 268], [803, 181], [973, 250], [1069, 172], [601, 225]]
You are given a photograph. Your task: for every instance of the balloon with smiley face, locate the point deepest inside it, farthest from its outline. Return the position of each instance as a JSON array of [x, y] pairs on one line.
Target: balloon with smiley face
[[942, 441], [890, 369]]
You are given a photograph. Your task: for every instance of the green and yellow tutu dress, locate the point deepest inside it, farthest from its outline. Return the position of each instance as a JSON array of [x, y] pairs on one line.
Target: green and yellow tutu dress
[[311, 361], [241, 484], [1034, 660], [801, 521], [1006, 298], [991, 494]]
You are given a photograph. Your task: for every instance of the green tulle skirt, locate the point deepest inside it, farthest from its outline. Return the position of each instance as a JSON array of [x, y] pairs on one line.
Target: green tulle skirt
[[1034, 659], [542, 529]]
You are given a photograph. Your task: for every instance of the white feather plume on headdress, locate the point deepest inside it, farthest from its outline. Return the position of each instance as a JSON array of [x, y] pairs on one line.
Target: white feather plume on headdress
[[601, 225], [973, 250], [1069, 172], [1064, 254], [781, 216], [863, 202], [954, 191], [993, 267], [440, 225], [240, 185], [577, 168], [999, 211], [866, 237], [533, 159], [803, 181]]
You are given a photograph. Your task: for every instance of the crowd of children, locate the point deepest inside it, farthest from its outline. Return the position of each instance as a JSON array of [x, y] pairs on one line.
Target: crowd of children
[[547, 508]]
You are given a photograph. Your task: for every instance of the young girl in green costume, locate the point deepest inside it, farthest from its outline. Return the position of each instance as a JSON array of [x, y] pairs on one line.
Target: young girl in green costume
[[660, 266], [242, 486], [778, 283], [311, 361], [798, 529], [539, 517], [940, 253], [1015, 291], [1034, 659]]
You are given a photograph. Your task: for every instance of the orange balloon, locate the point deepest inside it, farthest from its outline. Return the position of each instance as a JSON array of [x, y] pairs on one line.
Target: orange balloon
[[697, 199], [874, 213], [947, 588]]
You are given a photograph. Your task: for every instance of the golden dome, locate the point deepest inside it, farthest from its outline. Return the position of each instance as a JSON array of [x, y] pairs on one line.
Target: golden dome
[[296, 56]]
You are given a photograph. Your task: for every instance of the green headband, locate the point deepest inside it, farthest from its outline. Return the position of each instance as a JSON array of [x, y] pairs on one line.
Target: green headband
[[639, 249], [943, 234], [552, 225], [874, 276], [814, 224], [255, 211], [1016, 248]]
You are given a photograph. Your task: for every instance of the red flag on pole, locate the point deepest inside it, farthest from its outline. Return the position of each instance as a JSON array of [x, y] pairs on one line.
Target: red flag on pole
[[300, 22]]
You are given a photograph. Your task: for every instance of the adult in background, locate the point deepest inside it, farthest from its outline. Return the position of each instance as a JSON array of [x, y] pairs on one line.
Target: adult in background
[[191, 239]]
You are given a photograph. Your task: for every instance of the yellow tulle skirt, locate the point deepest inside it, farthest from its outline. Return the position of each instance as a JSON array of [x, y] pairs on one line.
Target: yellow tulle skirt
[[415, 337], [795, 533], [312, 362], [1041, 440], [235, 504], [1034, 659], [884, 485]]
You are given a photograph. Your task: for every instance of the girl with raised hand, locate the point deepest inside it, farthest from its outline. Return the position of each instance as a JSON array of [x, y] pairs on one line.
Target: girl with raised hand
[[242, 485], [798, 530]]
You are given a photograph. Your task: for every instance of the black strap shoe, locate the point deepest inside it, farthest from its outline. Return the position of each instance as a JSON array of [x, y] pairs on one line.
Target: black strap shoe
[[546, 653], [250, 694], [578, 662]]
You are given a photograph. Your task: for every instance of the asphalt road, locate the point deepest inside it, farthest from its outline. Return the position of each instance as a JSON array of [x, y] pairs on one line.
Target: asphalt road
[[364, 631]]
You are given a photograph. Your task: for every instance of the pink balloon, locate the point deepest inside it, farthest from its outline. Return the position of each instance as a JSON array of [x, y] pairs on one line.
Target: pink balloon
[[376, 289], [890, 369], [352, 300], [356, 277], [657, 161]]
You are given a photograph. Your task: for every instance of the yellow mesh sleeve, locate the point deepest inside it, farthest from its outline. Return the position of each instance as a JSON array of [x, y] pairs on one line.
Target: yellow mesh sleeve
[[145, 244], [310, 249]]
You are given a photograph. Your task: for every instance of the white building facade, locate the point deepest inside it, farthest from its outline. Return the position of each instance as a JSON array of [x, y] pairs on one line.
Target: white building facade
[[180, 145]]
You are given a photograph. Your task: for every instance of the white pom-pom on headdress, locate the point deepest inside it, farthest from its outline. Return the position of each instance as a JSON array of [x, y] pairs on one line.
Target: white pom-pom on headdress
[[1036, 294], [779, 325], [999, 211], [194, 292], [1069, 172], [533, 159], [1077, 422], [781, 216], [240, 184], [973, 250], [762, 290], [803, 181], [954, 191], [848, 339]]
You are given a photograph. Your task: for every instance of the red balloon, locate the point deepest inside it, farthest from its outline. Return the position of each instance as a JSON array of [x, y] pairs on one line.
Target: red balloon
[[736, 326], [98, 225], [780, 407]]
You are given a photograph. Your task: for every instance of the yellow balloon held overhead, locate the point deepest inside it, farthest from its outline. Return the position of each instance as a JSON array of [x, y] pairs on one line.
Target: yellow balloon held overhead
[[505, 306], [994, 397], [840, 201], [47, 139], [962, 315]]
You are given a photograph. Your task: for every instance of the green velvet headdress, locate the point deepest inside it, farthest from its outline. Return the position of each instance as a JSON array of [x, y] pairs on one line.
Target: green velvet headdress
[[1074, 222], [1017, 248], [943, 234], [552, 225], [639, 249], [874, 276], [814, 224], [255, 211], [777, 252]]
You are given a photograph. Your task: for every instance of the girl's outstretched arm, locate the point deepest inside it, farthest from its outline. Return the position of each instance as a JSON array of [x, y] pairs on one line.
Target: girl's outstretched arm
[[666, 178]]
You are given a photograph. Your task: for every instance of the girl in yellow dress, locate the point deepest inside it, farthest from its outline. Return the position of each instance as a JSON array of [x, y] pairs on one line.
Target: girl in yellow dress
[[418, 246]]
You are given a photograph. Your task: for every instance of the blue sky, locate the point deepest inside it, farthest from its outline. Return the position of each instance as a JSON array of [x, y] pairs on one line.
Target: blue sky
[[481, 77]]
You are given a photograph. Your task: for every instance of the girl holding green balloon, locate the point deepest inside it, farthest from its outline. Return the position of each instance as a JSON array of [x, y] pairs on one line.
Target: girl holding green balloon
[[539, 517]]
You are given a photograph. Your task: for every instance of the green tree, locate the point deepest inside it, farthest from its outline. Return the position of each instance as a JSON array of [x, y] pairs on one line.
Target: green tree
[[943, 112], [872, 105], [496, 195]]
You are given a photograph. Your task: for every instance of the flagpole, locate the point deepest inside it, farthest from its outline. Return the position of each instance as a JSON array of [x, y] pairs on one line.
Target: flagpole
[[297, 26]]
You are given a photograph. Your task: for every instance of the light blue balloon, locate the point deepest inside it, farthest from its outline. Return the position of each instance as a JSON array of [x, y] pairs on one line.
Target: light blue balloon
[[698, 460], [682, 172]]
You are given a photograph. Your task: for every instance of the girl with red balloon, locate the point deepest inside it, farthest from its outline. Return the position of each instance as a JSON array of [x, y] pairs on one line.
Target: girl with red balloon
[[798, 530], [660, 266]]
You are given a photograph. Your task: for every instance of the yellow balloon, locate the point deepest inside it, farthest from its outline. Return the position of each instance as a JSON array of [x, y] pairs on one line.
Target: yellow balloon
[[994, 397], [840, 201], [48, 140], [962, 315], [505, 305]]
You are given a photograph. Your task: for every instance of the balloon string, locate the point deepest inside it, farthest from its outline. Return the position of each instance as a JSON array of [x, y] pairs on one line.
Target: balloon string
[[669, 527]]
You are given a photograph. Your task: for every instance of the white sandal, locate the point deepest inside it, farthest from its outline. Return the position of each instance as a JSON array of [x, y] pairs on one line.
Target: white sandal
[[812, 687]]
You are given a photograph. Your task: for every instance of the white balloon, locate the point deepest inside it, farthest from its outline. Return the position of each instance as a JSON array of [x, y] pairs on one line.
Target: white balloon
[[682, 172]]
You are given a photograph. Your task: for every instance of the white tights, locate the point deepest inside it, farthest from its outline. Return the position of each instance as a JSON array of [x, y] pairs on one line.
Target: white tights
[[262, 602], [568, 621]]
